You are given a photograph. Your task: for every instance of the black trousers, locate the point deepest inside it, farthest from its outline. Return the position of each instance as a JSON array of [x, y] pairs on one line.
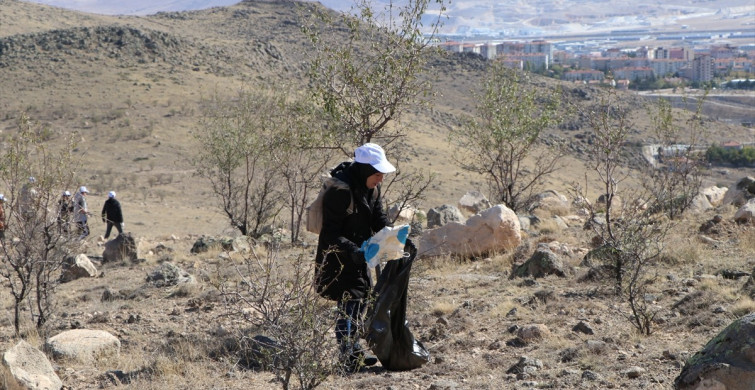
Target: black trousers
[[110, 227]]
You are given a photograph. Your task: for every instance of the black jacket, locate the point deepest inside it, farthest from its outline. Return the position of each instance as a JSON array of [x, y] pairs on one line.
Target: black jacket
[[341, 267], [111, 211]]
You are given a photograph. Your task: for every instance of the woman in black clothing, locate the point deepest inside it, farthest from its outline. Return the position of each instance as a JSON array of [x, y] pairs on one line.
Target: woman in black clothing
[[352, 213]]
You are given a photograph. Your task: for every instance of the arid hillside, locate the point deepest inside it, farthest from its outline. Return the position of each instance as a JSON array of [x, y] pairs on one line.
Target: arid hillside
[[131, 88]]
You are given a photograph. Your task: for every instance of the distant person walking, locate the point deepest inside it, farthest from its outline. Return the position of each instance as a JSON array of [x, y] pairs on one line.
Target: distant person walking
[[28, 199], [112, 214], [81, 212], [2, 217], [65, 210]]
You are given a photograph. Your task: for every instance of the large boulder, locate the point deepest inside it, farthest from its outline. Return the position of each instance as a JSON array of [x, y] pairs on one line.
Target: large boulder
[[30, 367], [120, 248], [726, 362], [746, 213], [440, 216], [84, 345], [77, 267], [740, 192], [474, 202], [543, 262], [714, 194], [700, 203], [495, 229]]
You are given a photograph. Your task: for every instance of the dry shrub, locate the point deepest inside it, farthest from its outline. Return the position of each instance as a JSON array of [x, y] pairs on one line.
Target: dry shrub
[[443, 308], [549, 226], [745, 305], [747, 240]]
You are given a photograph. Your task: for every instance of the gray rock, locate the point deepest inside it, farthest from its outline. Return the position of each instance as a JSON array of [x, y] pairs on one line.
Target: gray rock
[[634, 372], [495, 229], [30, 367], [204, 243], [77, 267], [120, 248], [582, 327], [727, 361], [83, 345], [474, 202], [746, 213], [740, 192], [169, 274], [543, 262], [440, 216]]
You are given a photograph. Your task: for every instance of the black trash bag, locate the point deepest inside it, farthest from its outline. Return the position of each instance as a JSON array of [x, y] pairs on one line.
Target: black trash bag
[[387, 332]]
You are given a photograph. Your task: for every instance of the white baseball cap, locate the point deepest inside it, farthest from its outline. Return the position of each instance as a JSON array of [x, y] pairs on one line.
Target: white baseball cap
[[83, 190], [111, 194], [66, 193], [374, 155]]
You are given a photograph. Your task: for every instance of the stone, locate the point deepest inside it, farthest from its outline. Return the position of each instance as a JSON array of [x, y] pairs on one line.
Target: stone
[[31, 368], [727, 360], [169, 274], [746, 213], [441, 216], [714, 194], [583, 327], [495, 229], [120, 248], [700, 203], [543, 262], [401, 217], [740, 192], [549, 201], [474, 202], [84, 345], [634, 372], [533, 332], [204, 243], [77, 267]]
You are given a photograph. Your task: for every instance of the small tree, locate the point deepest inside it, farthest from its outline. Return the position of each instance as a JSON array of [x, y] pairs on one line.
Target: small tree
[[237, 142], [33, 247], [275, 296], [677, 181], [368, 78], [506, 131], [633, 235]]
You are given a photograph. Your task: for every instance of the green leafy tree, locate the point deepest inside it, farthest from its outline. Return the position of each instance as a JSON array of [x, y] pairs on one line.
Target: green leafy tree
[[505, 132], [366, 70]]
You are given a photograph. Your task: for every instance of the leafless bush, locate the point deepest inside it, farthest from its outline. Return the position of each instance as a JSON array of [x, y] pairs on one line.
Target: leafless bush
[[275, 296], [34, 245]]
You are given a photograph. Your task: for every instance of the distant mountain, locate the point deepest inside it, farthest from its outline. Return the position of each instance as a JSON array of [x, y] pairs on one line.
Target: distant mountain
[[506, 18], [135, 7]]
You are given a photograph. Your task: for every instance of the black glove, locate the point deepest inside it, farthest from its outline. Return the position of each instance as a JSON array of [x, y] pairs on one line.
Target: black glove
[[358, 259]]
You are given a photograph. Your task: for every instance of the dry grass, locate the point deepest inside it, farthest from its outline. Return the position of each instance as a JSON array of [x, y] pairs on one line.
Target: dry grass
[[136, 124]]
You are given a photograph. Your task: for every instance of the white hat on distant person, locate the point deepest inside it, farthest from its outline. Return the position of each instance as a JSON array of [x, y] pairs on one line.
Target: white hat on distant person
[[374, 155], [66, 193], [83, 190], [111, 194]]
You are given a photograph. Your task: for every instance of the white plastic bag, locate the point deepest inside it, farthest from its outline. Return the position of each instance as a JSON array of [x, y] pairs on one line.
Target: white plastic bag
[[387, 244]]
